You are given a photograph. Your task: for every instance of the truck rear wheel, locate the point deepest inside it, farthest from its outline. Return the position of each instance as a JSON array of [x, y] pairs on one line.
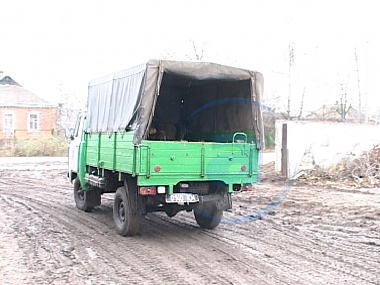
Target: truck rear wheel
[[125, 213], [207, 215], [80, 198]]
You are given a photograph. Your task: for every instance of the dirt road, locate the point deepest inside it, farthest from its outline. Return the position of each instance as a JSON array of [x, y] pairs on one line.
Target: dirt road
[[315, 236]]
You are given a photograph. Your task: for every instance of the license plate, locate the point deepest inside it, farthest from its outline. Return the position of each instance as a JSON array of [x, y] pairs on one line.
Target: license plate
[[182, 198]]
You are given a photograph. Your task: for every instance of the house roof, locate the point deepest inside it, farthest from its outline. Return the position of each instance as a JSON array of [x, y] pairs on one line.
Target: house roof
[[332, 113], [13, 94]]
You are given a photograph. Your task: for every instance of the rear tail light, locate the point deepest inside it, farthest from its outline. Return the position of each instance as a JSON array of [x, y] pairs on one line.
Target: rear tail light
[[146, 191], [248, 187]]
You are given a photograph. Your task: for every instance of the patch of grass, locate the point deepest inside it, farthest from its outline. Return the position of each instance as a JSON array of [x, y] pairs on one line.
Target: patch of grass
[[44, 147]]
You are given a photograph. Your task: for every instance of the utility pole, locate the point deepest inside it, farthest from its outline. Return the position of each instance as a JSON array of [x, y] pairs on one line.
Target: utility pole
[[291, 60]]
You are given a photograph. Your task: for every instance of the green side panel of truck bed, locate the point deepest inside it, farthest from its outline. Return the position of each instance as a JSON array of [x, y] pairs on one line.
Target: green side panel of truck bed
[[169, 162], [113, 152]]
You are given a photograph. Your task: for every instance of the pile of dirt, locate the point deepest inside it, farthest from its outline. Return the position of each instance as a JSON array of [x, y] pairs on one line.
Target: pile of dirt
[[267, 173], [364, 171]]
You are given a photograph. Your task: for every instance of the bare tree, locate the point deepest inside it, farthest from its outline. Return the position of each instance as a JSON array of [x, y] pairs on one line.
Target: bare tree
[[167, 54], [69, 105], [359, 94], [290, 65], [301, 103], [343, 107], [198, 52]]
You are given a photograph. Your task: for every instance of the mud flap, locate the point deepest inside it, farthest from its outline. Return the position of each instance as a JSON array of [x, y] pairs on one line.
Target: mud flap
[[222, 202], [225, 203], [133, 197], [93, 198]]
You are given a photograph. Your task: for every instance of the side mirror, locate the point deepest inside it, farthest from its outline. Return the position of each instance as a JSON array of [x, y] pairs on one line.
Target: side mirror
[[69, 134]]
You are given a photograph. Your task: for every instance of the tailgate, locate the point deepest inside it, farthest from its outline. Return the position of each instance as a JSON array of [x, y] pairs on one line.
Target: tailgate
[[197, 159]]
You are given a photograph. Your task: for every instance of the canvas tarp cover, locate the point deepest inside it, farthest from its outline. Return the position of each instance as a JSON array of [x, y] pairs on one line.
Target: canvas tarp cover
[[113, 100], [127, 100]]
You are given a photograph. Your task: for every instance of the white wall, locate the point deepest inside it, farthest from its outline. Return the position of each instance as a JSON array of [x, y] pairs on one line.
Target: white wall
[[323, 144]]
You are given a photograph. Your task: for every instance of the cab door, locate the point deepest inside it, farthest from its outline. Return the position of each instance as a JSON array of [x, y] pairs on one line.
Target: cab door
[[75, 142]]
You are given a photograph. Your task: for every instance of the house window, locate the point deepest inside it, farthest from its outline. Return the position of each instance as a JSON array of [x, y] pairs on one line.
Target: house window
[[33, 122], [9, 122]]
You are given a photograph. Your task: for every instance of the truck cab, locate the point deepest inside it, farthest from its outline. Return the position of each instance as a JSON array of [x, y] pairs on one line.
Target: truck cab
[[75, 137]]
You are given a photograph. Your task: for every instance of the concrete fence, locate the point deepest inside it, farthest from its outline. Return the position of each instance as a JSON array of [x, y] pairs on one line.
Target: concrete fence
[[322, 144]]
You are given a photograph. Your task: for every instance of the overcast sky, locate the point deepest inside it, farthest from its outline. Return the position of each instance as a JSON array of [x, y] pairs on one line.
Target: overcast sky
[[52, 47]]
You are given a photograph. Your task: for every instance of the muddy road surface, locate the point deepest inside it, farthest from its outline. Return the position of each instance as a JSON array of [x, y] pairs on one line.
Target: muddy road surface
[[317, 235]]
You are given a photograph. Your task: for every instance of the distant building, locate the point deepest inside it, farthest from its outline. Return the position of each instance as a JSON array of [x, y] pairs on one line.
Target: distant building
[[24, 115], [335, 113]]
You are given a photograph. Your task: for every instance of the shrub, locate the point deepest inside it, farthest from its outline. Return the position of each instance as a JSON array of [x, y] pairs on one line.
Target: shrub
[[44, 147], [270, 140]]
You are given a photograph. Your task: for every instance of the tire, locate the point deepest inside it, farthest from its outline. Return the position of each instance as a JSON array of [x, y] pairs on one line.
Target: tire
[[125, 213], [80, 197], [207, 215]]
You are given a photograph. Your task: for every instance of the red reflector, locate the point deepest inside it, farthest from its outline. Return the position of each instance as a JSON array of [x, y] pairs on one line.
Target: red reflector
[[157, 168], [243, 168], [148, 191], [248, 188]]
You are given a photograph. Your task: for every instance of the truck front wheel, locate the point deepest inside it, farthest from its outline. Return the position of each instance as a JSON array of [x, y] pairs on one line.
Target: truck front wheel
[[80, 197], [207, 215], [125, 212]]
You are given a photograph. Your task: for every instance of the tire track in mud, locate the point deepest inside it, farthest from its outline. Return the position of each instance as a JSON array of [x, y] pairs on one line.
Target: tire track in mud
[[318, 252], [187, 251], [197, 254], [84, 227], [216, 252], [12, 265], [200, 250], [137, 258], [295, 255], [172, 246], [249, 255], [42, 260], [175, 250], [203, 277]]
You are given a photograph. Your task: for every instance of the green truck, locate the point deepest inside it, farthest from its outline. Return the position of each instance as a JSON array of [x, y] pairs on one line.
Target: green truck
[[167, 136]]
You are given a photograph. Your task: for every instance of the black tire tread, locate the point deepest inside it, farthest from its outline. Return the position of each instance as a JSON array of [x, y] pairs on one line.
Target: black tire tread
[[131, 225], [208, 216], [81, 204]]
